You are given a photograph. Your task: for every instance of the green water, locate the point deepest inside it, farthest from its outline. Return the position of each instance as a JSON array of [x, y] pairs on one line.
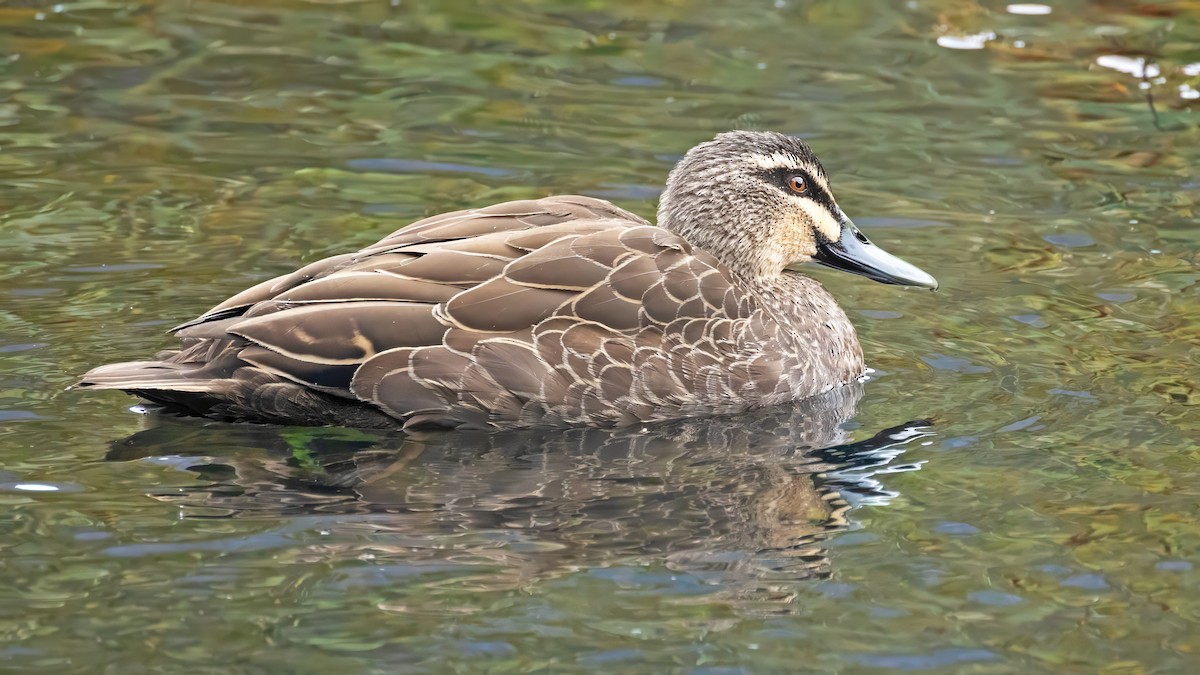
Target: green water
[[157, 157]]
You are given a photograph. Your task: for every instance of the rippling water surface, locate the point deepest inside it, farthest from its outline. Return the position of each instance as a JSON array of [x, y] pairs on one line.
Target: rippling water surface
[[1016, 489]]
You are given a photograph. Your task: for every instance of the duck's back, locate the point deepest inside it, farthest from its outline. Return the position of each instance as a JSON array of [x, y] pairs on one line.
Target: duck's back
[[565, 310]]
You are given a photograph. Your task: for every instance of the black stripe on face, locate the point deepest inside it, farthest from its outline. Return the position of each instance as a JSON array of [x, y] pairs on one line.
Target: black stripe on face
[[815, 192]]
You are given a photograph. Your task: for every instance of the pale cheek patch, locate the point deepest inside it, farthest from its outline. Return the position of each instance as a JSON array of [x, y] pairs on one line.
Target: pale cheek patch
[[822, 220], [792, 242]]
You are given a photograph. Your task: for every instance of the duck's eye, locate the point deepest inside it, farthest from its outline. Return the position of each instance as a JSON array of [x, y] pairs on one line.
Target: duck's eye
[[797, 184]]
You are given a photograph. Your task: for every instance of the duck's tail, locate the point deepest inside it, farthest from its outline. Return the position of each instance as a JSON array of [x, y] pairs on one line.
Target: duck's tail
[[180, 387], [144, 375], [231, 390]]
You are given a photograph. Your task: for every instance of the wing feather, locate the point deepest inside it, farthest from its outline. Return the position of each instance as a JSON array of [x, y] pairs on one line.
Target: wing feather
[[343, 333], [559, 310]]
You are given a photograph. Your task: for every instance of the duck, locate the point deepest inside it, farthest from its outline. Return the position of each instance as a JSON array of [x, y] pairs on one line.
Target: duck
[[554, 312]]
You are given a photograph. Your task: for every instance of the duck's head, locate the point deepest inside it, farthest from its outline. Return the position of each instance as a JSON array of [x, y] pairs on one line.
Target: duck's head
[[761, 203]]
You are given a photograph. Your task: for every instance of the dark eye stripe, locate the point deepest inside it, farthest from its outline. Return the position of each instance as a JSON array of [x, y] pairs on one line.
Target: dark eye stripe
[[815, 191], [779, 178]]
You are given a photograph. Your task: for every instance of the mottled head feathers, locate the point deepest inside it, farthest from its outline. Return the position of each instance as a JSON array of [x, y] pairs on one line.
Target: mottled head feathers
[[731, 197]]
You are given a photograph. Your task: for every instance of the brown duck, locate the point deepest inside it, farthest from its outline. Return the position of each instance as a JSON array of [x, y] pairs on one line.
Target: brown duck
[[559, 311]]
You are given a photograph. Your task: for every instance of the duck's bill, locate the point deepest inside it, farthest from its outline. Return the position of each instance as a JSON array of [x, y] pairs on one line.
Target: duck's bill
[[854, 253]]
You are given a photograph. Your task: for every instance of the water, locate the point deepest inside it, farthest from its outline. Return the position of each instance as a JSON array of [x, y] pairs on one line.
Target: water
[[1015, 489]]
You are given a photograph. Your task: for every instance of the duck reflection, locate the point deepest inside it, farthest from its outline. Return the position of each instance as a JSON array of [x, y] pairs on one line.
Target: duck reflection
[[742, 501]]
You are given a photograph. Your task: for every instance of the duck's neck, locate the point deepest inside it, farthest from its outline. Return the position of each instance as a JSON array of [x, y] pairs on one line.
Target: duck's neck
[[816, 326], [737, 235]]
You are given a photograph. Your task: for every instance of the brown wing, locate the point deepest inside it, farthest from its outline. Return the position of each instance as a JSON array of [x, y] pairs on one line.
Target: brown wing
[[447, 229], [606, 322], [554, 311]]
